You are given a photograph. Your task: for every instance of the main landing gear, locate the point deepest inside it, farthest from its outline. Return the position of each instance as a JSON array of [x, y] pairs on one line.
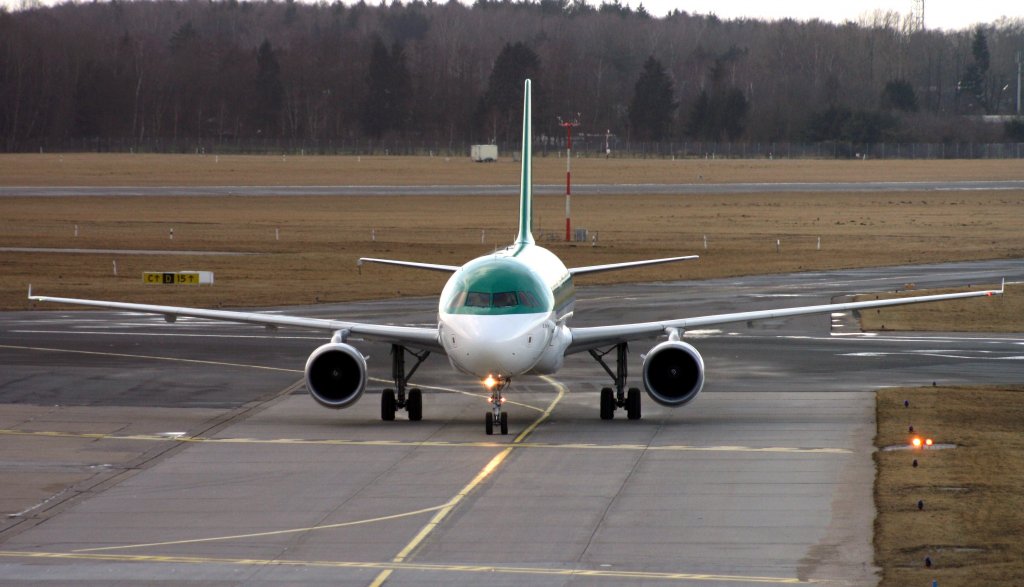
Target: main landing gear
[[496, 416], [411, 402], [611, 399]]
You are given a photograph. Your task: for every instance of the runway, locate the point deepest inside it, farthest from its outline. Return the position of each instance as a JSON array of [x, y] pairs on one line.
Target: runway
[[505, 190], [145, 452]]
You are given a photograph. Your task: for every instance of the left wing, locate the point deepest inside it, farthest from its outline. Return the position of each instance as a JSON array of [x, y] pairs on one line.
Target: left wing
[[598, 336], [425, 338], [413, 264]]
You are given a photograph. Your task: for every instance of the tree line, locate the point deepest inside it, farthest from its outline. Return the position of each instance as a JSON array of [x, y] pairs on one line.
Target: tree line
[[199, 71]]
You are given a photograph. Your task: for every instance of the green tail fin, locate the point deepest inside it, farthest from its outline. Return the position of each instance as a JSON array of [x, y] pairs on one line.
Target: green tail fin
[[526, 181]]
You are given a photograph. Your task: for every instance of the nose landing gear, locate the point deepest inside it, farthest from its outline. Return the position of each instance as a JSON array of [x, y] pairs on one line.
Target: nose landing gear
[[496, 416]]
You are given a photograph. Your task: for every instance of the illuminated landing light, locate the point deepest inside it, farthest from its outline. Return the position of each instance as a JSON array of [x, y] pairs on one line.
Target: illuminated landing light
[[928, 442], [490, 382], [916, 442]]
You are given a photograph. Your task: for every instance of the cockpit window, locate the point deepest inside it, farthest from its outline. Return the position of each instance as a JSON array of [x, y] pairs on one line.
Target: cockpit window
[[505, 299], [476, 299], [497, 286], [526, 299]]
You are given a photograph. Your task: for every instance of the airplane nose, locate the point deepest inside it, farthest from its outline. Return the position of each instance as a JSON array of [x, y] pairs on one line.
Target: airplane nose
[[494, 345]]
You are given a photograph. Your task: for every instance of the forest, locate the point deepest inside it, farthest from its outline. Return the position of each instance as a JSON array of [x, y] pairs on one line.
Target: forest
[[262, 76]]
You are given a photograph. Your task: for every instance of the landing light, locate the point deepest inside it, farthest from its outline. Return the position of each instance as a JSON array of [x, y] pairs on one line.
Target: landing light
[[928, 441], [490, 382], [916, 442]]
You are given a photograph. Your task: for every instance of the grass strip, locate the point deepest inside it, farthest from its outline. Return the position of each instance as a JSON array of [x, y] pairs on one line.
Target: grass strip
[[971, 517]]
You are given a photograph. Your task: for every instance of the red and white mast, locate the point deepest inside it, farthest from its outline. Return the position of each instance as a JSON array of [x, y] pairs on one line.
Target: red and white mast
[[568, 171]]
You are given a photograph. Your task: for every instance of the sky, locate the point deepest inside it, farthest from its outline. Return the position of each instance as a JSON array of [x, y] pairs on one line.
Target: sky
[[938, 14]]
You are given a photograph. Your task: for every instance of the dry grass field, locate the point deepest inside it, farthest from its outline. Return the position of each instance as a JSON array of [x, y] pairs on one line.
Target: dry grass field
[[321, 237], [973, 495]]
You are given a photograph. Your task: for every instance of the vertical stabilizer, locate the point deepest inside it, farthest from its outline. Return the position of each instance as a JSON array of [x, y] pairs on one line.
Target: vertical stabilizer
[[526, 181]]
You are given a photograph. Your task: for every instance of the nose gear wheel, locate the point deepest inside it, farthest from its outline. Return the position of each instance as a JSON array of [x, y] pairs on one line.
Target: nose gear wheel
[[496, 416]]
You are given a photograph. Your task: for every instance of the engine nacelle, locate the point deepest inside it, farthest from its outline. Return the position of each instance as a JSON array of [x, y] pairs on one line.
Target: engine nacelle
[[336, 375], [673, 373]]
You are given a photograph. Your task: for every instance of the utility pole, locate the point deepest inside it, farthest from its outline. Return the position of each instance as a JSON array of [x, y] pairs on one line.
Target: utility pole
[[1020, 63], [568, 124]]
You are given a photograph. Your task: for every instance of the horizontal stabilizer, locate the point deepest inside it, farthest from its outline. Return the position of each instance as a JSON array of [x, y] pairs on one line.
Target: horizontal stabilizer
[[615, 266], [413, 264]]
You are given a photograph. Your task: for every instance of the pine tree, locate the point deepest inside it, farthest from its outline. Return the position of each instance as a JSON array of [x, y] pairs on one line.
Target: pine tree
[[269, 95], [650, 112], [499, 110], [387, 102]]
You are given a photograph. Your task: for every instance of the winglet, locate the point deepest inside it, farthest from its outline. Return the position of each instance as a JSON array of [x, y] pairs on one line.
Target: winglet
[[526, 180], [30, 291], [1002, 288]]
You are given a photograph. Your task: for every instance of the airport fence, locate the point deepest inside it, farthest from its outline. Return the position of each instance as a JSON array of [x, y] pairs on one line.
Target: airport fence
[[583, 146]]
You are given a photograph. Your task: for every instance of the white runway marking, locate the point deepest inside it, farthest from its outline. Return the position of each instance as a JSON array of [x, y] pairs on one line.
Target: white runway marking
[[147, 357], [170, 334]]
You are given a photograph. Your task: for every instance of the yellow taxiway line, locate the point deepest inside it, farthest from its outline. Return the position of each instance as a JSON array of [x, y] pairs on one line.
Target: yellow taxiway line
[[427, 443], [404, 566]]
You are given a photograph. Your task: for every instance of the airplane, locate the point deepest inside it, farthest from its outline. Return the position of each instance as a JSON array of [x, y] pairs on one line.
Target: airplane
[[502, 316]]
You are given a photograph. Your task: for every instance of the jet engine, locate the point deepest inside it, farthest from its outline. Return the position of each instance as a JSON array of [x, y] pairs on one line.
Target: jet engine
[[673, 373], [336, 375]]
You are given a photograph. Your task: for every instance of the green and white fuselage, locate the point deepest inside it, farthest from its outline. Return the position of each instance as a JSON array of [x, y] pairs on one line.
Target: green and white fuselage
[[504, 314]]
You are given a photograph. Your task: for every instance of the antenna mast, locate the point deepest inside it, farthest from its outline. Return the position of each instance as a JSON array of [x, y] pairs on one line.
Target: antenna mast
[[917, 15]]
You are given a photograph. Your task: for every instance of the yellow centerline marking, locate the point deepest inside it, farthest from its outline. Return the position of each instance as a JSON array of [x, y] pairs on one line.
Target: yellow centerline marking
[[425, 443], [401, 566], [480, 477]]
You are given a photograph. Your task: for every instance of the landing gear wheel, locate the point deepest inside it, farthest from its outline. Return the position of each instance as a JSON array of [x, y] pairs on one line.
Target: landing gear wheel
[[489, 424], [633, 403], [504, 423], [414, 405], [607, 403], [387, 405]]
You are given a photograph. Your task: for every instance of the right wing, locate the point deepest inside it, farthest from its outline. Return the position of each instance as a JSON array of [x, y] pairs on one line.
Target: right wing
[[424, 338], [599, 336], [615, 266]]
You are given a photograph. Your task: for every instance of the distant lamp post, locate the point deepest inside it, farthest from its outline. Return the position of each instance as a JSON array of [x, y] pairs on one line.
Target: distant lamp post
[[1020, 63], [568, 124]]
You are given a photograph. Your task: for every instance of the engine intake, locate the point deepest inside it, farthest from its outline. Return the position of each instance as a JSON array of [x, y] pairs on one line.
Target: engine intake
[[673, 373], [336, 375]]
